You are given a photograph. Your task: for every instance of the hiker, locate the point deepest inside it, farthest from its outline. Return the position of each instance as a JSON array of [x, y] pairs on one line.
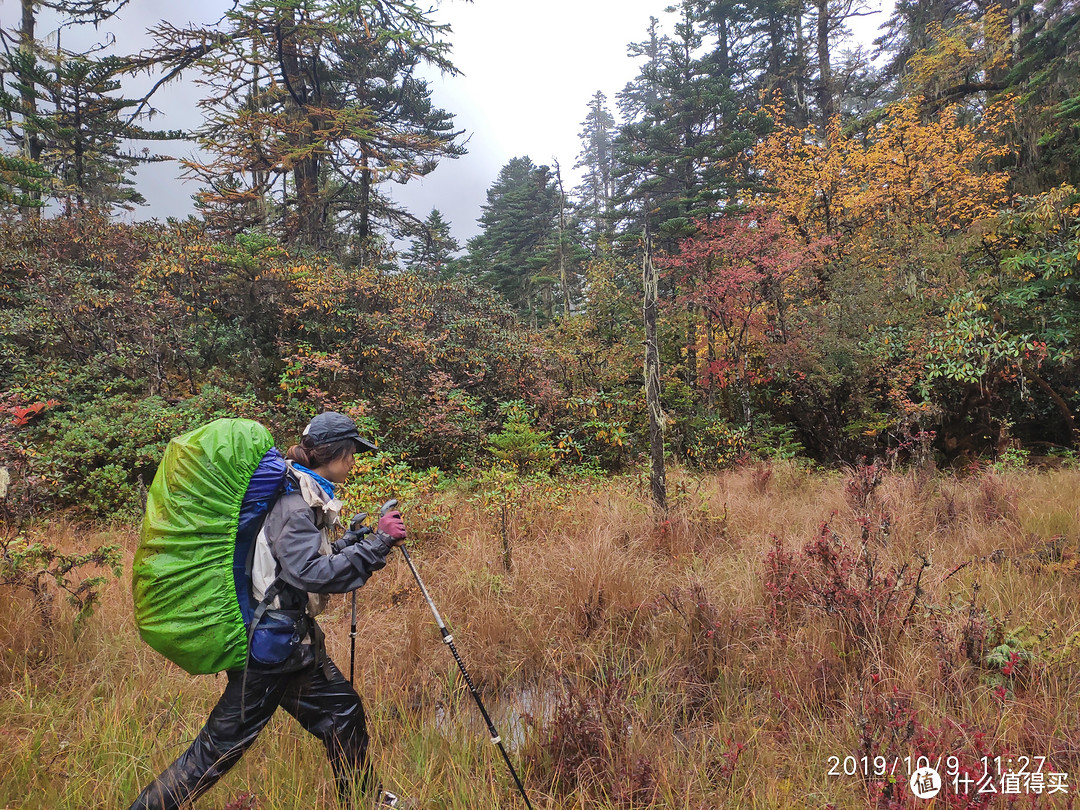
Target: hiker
[[295, 565]]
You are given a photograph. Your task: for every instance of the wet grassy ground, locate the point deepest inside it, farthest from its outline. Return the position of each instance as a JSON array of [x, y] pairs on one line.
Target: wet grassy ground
[[779, 638]]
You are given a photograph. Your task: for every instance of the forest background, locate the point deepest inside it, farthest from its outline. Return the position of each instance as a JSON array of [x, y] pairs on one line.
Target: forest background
[[856, 257], [863, 264]]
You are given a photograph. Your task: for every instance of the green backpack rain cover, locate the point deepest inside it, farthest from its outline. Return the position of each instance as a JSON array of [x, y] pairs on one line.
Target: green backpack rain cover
[[186, 602]]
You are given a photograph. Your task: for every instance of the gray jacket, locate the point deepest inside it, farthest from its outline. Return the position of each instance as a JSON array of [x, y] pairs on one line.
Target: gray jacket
[[295, 544]]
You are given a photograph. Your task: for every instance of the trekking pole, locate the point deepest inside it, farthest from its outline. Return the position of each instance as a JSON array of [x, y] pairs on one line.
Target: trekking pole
[[355, 525], [449, 640]]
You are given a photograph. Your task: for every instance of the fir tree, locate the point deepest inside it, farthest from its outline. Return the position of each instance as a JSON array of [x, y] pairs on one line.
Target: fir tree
[[22, 119], [80, 124], [432, 252], [1046, 75], [682, 151], [22, 183], [513, 253], [310, 106], [597, 158]]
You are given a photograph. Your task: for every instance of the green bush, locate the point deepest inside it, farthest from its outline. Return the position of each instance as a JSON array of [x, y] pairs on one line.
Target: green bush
[[44, 571], [99, 455], [601, 430], [771, 441], [713, 443], [519, 443], [380, 476]]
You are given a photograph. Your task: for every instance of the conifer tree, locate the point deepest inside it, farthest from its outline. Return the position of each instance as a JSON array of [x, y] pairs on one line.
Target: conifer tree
[[1046, 75], [21, 115], [597, 158], [80, 124], [775, 51], [432, 252], [910, 29], [22, 183], [310, 105], [513, 252], [683, 146]]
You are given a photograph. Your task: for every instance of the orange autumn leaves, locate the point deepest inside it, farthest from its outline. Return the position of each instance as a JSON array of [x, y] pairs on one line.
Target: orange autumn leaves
[[911, 170]]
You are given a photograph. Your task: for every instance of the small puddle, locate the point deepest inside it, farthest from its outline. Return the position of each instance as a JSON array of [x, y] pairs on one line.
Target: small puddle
[[510, 713]]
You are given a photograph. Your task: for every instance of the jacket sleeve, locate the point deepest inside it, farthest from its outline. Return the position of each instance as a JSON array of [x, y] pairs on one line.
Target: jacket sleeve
[[340, 545], [295, 541]]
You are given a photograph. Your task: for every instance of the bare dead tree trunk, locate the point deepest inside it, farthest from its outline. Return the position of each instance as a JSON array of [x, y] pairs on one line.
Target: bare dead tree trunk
[[563, 280], [657, 480]]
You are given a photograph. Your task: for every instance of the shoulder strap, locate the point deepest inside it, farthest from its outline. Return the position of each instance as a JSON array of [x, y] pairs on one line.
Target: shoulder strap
[[276, 587]]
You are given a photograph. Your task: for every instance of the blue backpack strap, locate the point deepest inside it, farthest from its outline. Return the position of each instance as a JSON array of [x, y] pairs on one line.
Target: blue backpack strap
[[265, 487]]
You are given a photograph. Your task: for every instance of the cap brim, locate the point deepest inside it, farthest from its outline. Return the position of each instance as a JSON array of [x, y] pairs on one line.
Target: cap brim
[[364, 446]]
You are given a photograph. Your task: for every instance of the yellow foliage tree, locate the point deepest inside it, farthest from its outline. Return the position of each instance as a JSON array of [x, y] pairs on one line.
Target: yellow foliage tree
[[969, 57], [936, 172]]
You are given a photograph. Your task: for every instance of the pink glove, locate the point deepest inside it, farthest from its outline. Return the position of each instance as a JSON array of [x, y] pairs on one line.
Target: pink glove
[[392, 526]]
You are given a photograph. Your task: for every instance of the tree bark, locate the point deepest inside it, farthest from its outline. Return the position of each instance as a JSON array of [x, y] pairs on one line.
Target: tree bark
[[305, 123], [825, 80], [657, 480], [563, 279], [1058, 400], [32, 145]]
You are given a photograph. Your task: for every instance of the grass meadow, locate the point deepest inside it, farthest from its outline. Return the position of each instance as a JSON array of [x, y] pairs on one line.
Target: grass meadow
[[779, 638]]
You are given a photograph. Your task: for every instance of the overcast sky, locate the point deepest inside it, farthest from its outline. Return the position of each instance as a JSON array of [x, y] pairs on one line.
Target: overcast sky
[[529, 70]]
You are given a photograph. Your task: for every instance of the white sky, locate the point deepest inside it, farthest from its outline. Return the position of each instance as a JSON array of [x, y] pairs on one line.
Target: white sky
[[529, 70]]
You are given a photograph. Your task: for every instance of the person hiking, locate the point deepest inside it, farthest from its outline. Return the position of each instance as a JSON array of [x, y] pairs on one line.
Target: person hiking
[[295, 565]]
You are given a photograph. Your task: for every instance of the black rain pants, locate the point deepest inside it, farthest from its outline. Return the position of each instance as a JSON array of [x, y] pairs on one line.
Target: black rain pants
[[317, 695]]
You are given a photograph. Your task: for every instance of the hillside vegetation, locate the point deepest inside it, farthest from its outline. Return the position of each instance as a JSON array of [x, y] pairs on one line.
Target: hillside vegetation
[[855, 279]]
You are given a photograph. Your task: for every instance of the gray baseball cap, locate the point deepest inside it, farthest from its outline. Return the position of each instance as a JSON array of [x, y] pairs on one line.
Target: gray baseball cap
[[331, 426]]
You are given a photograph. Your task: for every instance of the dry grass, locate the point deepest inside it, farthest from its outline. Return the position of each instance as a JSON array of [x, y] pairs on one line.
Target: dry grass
[[658, 668]]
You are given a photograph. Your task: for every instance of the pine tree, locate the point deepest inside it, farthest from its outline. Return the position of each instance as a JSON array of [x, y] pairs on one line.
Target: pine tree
[[311, 104], [513, 253], [80, 124], [22, 183], [432, 253], [597, 158], [682, 151], [21, 118]]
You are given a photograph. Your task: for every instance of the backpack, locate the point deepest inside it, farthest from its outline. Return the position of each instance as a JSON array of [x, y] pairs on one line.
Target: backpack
[[191, 578]]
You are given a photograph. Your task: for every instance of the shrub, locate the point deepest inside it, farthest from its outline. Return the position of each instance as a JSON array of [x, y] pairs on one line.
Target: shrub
[[20, 488], [714, 444], [519, 443], [44, 571], [380, 476], [600, 430], [870, 603], [100, 455], [893, 741], [586, 746]]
